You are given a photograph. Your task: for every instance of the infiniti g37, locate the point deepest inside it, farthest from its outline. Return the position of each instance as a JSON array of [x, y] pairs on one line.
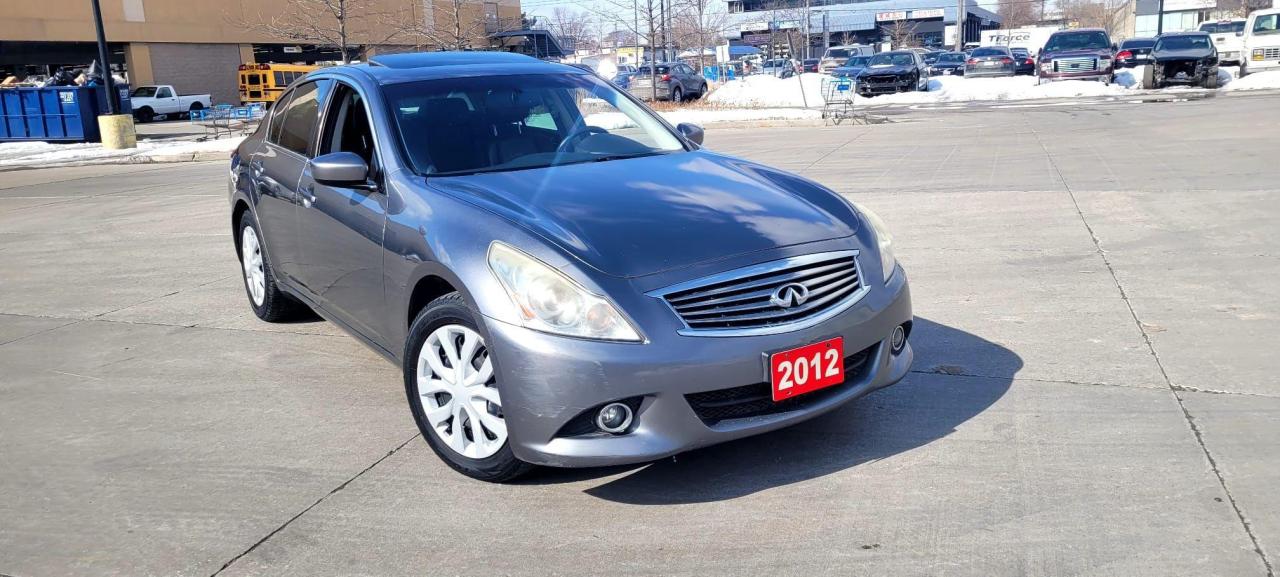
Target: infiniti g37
[[564, 279]]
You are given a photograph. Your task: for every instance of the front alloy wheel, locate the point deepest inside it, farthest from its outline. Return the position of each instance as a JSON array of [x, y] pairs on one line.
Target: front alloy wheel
[[255, 277]]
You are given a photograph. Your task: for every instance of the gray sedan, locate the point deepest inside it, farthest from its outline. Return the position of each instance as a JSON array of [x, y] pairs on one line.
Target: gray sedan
[[990, 61], [562, 278]]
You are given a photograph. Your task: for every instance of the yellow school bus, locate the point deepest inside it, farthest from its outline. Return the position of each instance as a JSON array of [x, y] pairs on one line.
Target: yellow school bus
[[266, 82]]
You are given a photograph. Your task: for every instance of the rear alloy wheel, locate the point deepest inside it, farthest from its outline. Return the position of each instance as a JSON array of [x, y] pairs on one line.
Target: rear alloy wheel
[[269, 303], [453, 393], [677, 95]]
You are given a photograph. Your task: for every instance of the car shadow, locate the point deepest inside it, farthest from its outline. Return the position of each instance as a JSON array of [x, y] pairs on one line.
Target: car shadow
[[956, 376]]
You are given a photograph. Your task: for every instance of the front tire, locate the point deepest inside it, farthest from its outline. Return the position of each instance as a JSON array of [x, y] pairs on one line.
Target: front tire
[[144, 114], [1211, 80], [453, 393], [1149, 77], [266, 299]]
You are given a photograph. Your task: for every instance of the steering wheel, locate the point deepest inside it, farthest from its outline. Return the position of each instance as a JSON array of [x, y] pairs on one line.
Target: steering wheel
[[577, 135]]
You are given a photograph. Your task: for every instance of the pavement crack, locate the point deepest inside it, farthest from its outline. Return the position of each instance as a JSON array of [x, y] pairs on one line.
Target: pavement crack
[[313, 505], [1175, 390]]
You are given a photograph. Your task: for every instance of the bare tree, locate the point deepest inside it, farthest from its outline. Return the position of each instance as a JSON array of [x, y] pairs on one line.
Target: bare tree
[[700, 24], [785, 22], [572, 26], [1016, 13], [336, 23], [902, 34], [1109, 15], [642, 18]]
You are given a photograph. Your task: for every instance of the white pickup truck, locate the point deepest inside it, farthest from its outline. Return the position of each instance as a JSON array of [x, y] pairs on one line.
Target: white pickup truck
[[151, 101], [1261, 39], [1226, 36]]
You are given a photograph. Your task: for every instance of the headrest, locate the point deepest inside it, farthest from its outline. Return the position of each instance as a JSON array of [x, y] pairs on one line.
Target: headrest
[[506, 106], [449, 111]]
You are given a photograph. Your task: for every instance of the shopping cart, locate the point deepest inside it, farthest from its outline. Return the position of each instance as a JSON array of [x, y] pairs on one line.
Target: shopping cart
[[837, 97], [224, 119]]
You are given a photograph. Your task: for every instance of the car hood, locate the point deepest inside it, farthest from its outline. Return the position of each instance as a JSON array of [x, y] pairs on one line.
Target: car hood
[[645, 215], [1192, 53], [869, 71]]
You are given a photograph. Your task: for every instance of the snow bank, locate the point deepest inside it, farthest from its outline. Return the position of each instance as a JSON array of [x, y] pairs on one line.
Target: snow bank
[[17, 154], [762, 91], [1257, 81]]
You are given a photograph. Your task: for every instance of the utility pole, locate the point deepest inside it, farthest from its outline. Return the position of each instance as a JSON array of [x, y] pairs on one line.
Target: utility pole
[[115, 129], [808, 30], [826, 35], [1160, 19], [960, 18]]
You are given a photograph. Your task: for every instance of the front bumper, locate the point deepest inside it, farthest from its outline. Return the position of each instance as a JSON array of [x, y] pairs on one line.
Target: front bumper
[[870, 88], [548, 381], [1103, 76]]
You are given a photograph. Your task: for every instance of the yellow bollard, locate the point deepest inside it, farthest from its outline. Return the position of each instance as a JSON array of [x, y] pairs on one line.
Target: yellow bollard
[[117, 131]]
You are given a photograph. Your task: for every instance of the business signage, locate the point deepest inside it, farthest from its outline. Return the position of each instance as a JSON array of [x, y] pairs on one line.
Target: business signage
[[891, 16], [931, 13], [1180, 5]]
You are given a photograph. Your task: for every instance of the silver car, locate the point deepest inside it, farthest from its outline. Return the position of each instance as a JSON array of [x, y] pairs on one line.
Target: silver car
[[990, 61], [563, 278]]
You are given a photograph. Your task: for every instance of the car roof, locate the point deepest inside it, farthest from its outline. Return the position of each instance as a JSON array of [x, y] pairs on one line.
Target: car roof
[[1186, 33], [1078, 30], [413, 66]]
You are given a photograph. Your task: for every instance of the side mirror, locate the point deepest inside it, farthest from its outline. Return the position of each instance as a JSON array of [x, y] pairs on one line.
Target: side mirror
[[691, 131], [1239, 32], [344, 169]]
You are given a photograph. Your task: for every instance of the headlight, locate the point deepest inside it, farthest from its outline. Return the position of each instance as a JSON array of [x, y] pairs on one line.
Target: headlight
[[547, 300], [1046, 66], [888, 262]]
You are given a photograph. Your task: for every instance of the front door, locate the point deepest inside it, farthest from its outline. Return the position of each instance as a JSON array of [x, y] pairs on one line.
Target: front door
[[340, 229]]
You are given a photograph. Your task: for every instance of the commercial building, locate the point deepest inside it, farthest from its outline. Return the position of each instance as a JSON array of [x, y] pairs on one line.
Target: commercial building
[[198, 46], [774, 25]]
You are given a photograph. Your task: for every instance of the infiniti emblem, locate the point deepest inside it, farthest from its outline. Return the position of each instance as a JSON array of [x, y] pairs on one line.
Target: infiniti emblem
[[790, 295]]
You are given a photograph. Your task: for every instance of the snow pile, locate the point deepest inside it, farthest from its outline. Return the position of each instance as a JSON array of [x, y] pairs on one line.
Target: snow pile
[[17, 154], [764, 91], [1131, 77], [1256, 81]]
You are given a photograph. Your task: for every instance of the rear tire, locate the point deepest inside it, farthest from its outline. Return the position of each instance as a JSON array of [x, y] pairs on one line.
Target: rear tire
[[1149, 78], [195, 107], [266, 299], [677, 95], [449, 320]]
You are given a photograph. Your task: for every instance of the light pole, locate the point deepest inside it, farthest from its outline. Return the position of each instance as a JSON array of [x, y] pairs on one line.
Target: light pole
[[115, 129]]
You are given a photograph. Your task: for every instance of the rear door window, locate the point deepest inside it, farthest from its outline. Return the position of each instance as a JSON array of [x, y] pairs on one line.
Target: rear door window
[[301, 115]]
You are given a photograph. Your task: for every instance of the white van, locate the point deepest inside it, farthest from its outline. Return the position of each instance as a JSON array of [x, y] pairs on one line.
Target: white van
[[835, 56], [1261, 40]]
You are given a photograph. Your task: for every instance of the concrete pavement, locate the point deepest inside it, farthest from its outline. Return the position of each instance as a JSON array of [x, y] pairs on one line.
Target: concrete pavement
[[1092, 393]]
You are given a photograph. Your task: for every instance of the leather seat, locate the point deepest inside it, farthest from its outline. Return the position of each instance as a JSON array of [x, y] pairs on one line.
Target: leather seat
[[506, 111]]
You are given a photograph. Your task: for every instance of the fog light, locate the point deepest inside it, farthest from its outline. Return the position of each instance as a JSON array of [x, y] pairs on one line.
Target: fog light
[[898, 340], [614, 418]]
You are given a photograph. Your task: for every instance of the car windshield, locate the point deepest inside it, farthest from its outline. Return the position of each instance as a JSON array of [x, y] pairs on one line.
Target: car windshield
[[989, 52], [931, 57], [1138, 43], [892, 59], [456, 126], [1078, 41], [951, 58], [837, 53], [1222, 27], [857, 61], [1266, 24], [1182, 43], [144, 92]]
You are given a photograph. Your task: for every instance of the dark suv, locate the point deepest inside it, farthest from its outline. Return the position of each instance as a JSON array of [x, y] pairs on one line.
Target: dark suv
[[675, 82], [1084, 54]]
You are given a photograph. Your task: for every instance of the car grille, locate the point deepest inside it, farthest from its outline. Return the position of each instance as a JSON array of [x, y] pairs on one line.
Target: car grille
[[756, 400], [1271, 53], [1075, 65], [882, 79], [744, 299]]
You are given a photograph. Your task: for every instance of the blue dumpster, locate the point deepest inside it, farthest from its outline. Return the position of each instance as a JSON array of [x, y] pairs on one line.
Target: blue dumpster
[[55, 113]]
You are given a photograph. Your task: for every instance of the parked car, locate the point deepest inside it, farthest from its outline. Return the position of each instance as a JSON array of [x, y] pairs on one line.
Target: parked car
[[556, 292], [894, 71], [780, 67], [623, 79], [1080, 54], [949, 63], [851, 67], [676, 82], [1261, 42], [1134, 52], [624, 69], [932, 56], [990, 61], [1227, 38], [152, 101], [1182, 58], [1023, 62], [836, 56], [809, 64]]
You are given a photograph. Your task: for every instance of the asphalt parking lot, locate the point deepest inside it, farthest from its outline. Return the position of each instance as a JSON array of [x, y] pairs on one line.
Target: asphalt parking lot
[[1095, 291]]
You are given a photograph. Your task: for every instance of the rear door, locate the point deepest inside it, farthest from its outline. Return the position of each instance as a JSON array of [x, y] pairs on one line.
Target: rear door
[[278, 166], [340, 229]]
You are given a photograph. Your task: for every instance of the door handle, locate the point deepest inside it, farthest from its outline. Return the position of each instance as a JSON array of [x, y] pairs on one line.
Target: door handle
[[308, 194]]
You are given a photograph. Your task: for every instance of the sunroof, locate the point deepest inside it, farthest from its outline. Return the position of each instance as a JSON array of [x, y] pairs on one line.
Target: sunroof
[[426, 59]]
